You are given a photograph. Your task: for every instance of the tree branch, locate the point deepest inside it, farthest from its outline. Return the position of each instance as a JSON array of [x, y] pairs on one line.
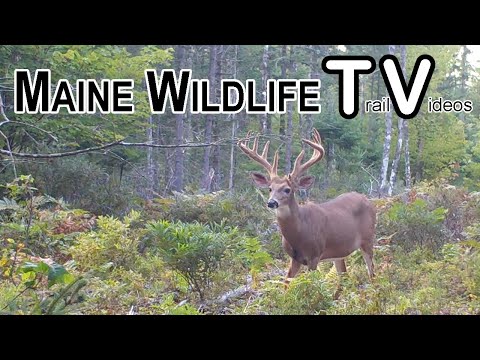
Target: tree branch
[[35, 127], [102, 147]]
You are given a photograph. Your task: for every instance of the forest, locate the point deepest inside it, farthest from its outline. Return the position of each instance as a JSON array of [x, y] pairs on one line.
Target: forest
[[156, 214]]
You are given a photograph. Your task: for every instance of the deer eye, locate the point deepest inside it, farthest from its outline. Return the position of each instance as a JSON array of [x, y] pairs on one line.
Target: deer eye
[[270, 189], [287, 190]]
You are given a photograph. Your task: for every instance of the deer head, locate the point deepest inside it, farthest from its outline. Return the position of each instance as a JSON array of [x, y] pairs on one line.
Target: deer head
[[282, 189]]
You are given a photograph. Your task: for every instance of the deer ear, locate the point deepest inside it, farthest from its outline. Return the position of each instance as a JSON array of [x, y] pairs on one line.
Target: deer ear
[[306, 182], [260, 180]]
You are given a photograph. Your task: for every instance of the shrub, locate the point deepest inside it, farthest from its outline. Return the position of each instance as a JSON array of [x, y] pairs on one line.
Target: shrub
[[254, 257], [246, 210], [413, 224], [114, 241], [462, 208], [193, 250], [84, 184]]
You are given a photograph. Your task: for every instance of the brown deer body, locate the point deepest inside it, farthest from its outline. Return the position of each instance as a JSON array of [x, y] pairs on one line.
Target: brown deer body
[[315, 232]]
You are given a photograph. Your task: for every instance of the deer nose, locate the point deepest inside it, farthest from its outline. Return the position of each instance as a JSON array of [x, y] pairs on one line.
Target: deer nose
[[272, 204]]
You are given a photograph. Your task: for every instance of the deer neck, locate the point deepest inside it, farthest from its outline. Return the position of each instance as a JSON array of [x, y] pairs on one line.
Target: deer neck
[[288, 218]]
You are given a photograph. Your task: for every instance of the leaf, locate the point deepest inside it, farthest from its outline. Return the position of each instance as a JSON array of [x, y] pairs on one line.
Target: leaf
[[56, 274], [40, 267], [28, 277]]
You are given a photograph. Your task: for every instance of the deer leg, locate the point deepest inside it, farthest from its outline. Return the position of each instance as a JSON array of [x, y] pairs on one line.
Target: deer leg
[[367, 253], [292, 270], [341, 270], [312, 265], [340, 266]]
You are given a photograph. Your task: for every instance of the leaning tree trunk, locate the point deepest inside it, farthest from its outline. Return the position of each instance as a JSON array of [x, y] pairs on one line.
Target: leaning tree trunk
[[177, 183], [386, 144], [206, 179], [401, 126]]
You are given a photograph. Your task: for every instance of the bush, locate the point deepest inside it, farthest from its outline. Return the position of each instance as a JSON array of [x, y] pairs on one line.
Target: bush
[[246, 210], [113, 242], [462, 207], [413, 224], [193, 250], [84, 184]]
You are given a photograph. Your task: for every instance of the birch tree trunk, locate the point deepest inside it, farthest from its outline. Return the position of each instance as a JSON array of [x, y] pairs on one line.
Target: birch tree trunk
[[177, 183], [386, 144], [401, 122]]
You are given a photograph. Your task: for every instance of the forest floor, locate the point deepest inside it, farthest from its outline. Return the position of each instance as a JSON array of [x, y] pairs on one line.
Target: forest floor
[[221, 254]]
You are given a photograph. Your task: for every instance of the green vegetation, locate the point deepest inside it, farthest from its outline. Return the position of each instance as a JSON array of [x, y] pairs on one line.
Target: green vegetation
[[137, 264]]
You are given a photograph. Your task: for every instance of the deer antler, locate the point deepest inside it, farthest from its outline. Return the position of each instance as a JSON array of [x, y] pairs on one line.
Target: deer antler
[[318, 152], [261, 159]]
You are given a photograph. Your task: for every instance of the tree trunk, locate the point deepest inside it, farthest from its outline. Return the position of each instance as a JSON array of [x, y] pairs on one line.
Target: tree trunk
[[330, 155], [150, 162], [177, 183], [231, 177], [209, 119], [419, 165], [266, 124], [216, 165], [408, 175], [288, 147], [398, 150], [307, 127], [284, 64], [464, 77], [386, 144]]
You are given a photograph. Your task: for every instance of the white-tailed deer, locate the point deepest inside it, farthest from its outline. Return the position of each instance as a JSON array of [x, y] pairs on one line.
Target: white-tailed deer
[[314, 232]]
